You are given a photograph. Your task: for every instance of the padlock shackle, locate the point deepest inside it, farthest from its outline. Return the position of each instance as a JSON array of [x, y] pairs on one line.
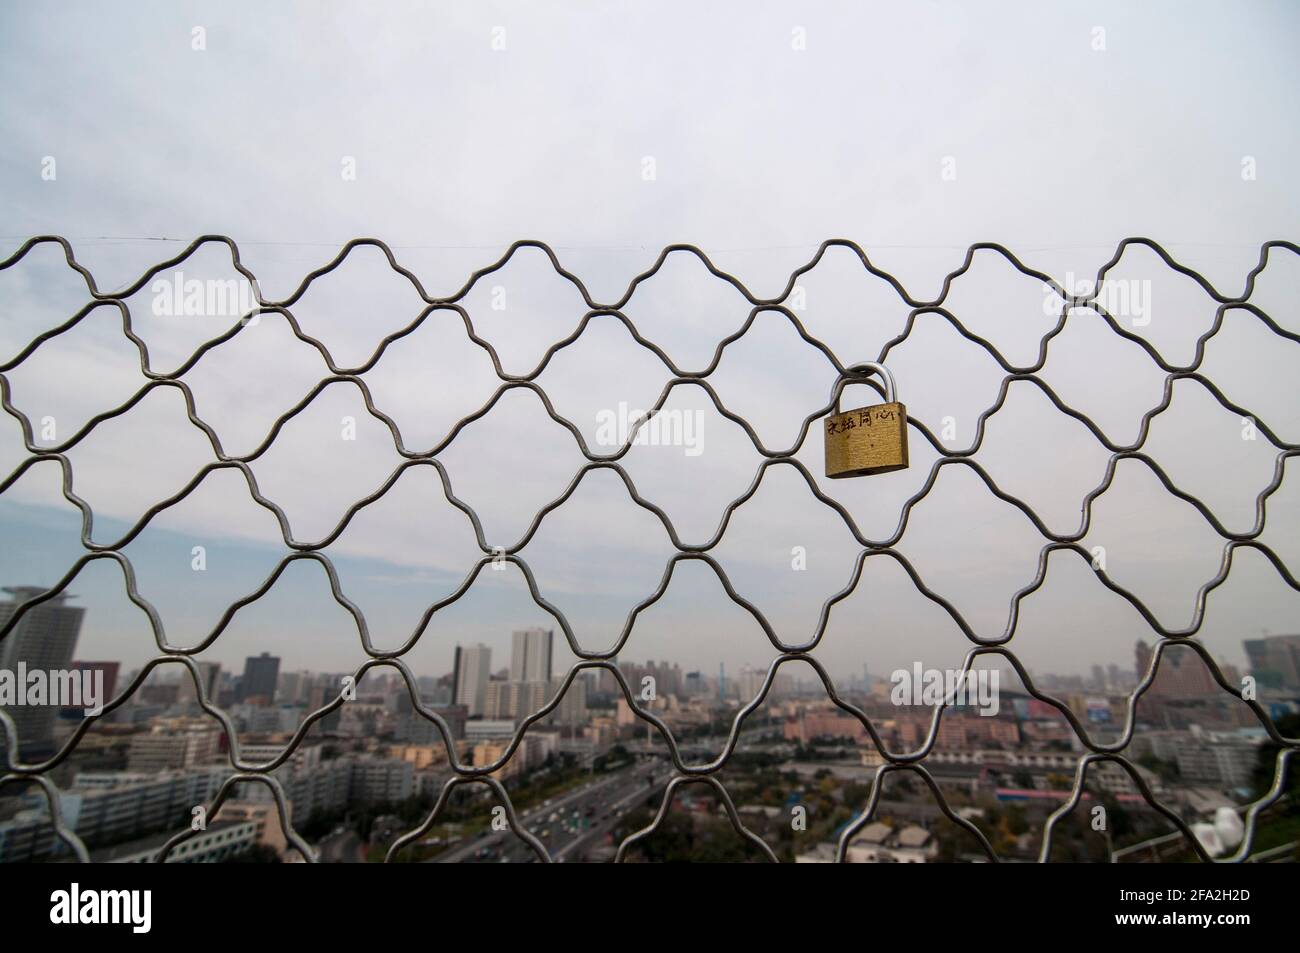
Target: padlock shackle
[[865, 369]]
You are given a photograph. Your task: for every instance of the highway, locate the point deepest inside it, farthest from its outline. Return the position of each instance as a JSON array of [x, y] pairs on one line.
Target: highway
[[571, 823]]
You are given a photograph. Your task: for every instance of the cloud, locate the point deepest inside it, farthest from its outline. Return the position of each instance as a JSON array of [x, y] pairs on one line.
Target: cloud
[[759, 152]]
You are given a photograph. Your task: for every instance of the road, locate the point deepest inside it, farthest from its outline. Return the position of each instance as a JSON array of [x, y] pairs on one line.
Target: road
[[572, 823]]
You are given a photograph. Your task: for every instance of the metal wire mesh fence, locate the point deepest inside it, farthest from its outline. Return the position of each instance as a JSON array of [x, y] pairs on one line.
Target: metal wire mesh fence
[[1098, 752]]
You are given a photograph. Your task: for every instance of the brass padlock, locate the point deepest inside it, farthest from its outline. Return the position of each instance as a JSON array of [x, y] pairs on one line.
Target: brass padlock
[[869, 439]]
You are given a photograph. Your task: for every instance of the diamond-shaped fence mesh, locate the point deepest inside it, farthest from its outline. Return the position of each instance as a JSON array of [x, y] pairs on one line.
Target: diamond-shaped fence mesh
[[20, 772]]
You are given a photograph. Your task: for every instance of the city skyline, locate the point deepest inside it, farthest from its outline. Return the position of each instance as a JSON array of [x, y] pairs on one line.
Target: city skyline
[[531, 655], [153, 757]]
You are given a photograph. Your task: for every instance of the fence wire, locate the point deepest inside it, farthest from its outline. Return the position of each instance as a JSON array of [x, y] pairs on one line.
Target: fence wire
[[18, 772]]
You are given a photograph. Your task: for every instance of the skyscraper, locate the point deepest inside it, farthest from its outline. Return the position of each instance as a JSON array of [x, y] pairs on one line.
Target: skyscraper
[[1181, 673], [511, 699], [1141, 659], [572, 709], [470, 676], [530, 657], [1275, 659], [45, 639], [108, 672], [210, 679], [261, 673]]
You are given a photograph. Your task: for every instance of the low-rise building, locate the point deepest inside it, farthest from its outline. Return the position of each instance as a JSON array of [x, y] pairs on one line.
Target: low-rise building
[[879, 843], [175, 743], [221, 841]]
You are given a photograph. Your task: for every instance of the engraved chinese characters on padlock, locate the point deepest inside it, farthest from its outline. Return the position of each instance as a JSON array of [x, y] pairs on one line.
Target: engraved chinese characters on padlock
[[869, 439]]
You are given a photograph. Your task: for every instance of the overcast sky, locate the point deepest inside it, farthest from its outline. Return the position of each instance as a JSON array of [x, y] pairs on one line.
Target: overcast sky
[[1055, 129]]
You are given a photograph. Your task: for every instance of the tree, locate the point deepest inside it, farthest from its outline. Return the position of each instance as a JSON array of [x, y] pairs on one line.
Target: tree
[[257, 854], [1266, 764]]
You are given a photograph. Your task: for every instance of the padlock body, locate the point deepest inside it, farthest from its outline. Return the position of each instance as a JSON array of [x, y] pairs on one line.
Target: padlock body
[[866, 440]]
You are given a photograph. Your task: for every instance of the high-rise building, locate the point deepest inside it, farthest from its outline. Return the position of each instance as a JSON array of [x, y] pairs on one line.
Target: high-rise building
[[454, 716], [667, 678], [1180, 674], [606, 683], [99, 687], [1275, 659], [572, 709], [109, 672], [43, 640], [293, 686], [1141, 659], [530, 656], [511, 699], [210, 680], [470, 676], [261, 674], [750, 682]]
